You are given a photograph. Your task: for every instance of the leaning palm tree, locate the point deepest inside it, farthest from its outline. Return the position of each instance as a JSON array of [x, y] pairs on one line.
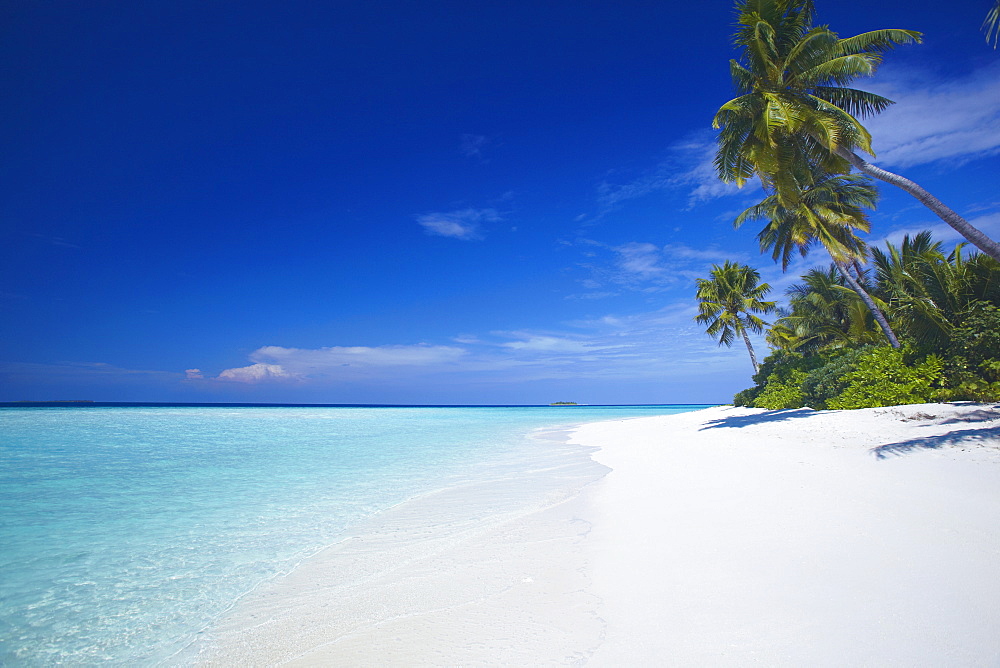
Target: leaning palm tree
[[825, 314], [729, 301], [828, 211], [794, 108]]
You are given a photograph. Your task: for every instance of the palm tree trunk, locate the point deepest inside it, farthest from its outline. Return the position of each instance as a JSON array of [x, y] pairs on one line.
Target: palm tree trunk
[[961, 225], [869, 302], [858, 271], [753, 358]]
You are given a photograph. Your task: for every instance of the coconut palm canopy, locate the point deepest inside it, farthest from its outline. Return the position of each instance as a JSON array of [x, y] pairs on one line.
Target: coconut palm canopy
[[795, 106], [829, 212], [796, 115]]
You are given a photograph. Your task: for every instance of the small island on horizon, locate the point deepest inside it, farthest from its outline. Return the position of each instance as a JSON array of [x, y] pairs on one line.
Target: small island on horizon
[[564, 403]]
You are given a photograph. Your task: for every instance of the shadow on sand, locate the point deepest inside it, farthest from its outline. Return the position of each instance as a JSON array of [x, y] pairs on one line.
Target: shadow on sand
[[759, 418], [957, 437]]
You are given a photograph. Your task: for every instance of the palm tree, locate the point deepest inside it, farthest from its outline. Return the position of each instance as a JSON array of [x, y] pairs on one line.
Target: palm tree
[[728, 302], [794, 108], [828, 211]]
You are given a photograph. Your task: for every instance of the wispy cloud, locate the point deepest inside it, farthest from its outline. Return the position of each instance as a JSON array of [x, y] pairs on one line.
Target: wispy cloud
[[465, 224], [697, 155], [641, 261], [530, 342], [955, 119], [660, 344], [645, 266], [53, 240], [79, 369], [471, 146], [687, 168], [304, 359], [933, 119]]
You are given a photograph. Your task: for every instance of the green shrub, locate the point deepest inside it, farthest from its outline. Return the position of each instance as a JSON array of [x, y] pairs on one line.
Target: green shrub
[[778, 380], [781, 392], [883, 378], [828, 381], [972, 365], [976, 337], [746, 397]]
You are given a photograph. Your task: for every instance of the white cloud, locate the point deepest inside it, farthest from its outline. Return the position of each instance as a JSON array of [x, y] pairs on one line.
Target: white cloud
[[303, 360], [700, 173], [194, 374], [278, 363], [684, 252], [256, 373], [933, 119], [546, 343], [464, 224]]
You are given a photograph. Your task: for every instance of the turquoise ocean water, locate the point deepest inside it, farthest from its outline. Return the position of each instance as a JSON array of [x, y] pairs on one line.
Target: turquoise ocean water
[[127, 530]]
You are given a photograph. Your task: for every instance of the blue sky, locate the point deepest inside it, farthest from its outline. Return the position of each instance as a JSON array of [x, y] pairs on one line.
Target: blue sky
[[412, 202]]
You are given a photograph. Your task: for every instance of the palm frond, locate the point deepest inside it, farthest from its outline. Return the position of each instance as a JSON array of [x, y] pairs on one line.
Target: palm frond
[[743, 79], [991, 26], [879, 41], [855, 102], [841, 71]]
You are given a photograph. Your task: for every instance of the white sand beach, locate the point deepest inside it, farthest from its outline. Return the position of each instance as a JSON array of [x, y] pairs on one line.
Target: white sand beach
[[722, 537], [737, 536]]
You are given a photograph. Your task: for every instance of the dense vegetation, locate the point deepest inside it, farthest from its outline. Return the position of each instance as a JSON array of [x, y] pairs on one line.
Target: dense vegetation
[[829, 353], [907, 324]]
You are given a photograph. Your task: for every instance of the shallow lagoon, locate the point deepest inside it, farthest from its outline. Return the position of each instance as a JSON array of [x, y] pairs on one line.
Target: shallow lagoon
[[129, 529]]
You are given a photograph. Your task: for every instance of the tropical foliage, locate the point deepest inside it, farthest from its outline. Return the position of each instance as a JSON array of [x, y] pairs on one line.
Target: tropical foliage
[[827, 352], [829, 211], [794, 125]]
